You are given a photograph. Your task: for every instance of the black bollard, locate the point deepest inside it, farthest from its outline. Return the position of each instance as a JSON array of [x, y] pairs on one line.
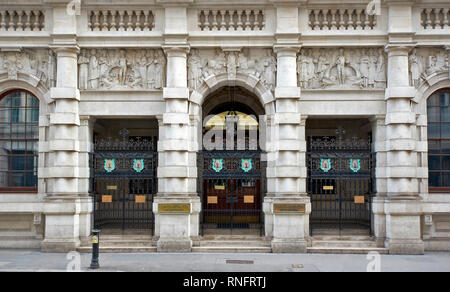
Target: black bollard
[[95, 249]]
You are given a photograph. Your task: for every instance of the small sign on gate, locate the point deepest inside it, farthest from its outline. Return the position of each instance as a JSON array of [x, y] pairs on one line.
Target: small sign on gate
[[106, 199], [140, 199], [212, 199], [249, 199], [359, 200]]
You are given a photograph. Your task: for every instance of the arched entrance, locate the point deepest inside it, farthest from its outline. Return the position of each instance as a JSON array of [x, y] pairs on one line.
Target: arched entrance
[[231, 172]]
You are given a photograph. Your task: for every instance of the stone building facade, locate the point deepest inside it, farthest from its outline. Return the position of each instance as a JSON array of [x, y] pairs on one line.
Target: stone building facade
[[311, 70]]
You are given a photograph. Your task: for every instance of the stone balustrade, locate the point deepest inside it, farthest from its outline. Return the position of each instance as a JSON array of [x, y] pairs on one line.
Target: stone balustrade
[[22, 20], [231, 20], [341, 19], [121, 20], [435, 18]]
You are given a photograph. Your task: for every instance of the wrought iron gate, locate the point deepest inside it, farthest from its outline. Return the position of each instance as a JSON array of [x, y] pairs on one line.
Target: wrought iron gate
[[232, 184], [340, 183], [124, 182]]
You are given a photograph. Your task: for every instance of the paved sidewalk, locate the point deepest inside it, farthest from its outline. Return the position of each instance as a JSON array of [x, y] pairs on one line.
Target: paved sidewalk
[[33, 260]]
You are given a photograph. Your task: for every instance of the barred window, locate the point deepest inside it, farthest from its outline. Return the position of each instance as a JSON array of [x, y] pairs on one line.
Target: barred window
[[19, 136], [439, 141]]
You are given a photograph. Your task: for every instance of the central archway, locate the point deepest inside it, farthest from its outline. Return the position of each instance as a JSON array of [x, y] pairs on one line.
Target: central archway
[[232, 175]]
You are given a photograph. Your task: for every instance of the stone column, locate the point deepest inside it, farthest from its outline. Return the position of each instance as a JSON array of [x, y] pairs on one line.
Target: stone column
[[62, 171], [403, 204], [177, 204], [287, 200]]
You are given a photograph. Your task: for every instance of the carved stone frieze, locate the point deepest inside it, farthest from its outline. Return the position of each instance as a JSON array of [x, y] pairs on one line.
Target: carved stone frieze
[[260, 63], [342, 68], [121, 69], [424, 62], [39, 63]]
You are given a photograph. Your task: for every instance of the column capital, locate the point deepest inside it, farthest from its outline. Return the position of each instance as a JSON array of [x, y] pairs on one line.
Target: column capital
[[286, 50], [177, 51], [67, 51], [399, 49]]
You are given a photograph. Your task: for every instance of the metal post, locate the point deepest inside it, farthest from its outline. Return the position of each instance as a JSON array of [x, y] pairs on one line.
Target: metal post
[[95, 249]]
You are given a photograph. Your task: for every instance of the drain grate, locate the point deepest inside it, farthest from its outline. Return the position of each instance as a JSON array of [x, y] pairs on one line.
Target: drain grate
[[240, 262]]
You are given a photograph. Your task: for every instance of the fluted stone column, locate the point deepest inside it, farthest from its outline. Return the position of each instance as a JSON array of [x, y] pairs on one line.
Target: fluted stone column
[[66, 179], [403, 204], [177, 171], [287, 200]]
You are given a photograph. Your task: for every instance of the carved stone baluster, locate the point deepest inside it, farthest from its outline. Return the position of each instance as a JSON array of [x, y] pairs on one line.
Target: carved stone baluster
[[90, 16], [113, 26], [333, 19], [199, 19], [350, 22], [358, 19], [19, 26], [27, 21], [36, 24], [223, 23], [206, 24], [139, 26], [366, 21], [152, 22], [247, 19], [438, 23], [11, 20], [325, 22], [263, 20], [146, 23], [215, 25], [2, 21], [316, 20], [105, 20], [130, 20], [96, 21], [445, 19], [341, 19], [428, 22], [121, 21], [256, 21], [239, 21]]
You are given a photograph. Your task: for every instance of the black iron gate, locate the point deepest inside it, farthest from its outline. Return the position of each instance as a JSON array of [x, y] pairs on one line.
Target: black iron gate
[[232, 185], [124, 182], [340, 183]]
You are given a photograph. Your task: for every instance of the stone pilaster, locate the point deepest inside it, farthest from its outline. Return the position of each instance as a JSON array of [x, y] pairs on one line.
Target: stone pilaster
[[403, 204], [379, 147], [62, 171], [177, 171], [287, 167]]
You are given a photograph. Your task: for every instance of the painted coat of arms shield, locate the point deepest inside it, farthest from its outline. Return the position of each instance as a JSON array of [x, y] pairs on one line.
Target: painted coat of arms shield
[[355, 165], [109, 165], [138, 165], [325, 164], [217, 164], [246, 164]]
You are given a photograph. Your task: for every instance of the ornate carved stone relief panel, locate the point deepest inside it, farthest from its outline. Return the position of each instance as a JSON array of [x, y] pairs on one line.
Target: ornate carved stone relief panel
[[260, 63], [121, 69], [353, 68], [424, 62], [39, 63]]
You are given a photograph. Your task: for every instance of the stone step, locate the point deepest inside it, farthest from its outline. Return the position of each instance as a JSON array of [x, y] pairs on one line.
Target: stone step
[[232, 249], [356, 244], [341, 238], [119, 249], [232, 243], [347, 250]]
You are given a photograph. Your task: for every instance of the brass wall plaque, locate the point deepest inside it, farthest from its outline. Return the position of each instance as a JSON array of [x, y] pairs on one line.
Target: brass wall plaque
[[219, 187], [249, 199], [174, 208], [328, 188], [140, 199], [359, 199], [212, 199], [111, 188], [289, 208], [106, 199]]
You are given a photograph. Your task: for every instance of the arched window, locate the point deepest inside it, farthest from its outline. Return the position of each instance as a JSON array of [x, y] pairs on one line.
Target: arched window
[[19, 136], [438, 106]]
